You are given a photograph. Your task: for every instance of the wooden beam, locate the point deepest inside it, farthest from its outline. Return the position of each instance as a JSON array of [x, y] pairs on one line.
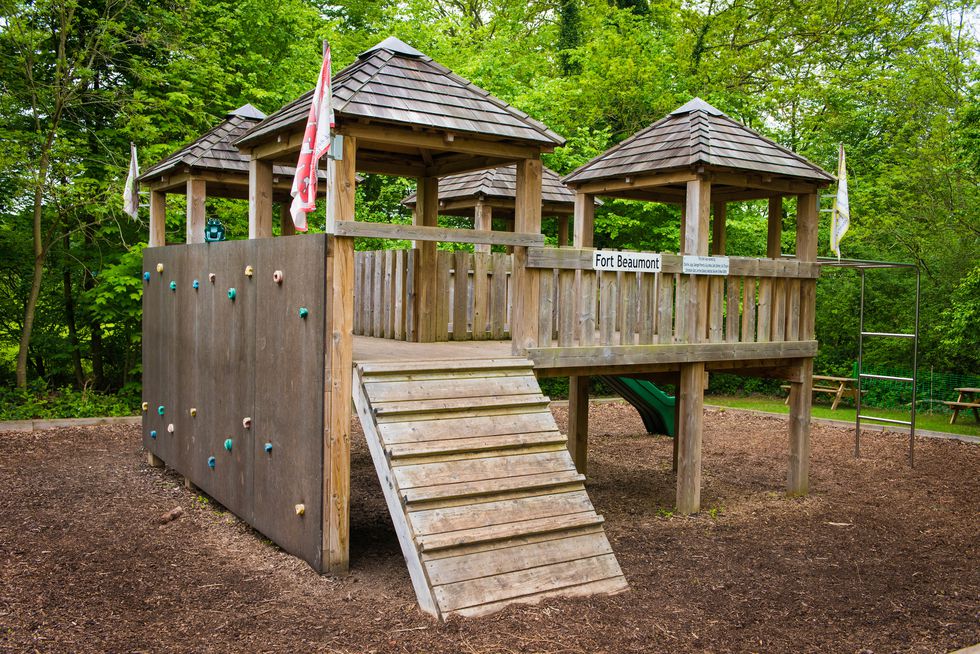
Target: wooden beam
[[338, 371], [158, 219], [342, 186], [583, 229], [562, 231], [611, 186], [582, 259], [259, 199], [197, 196], [426, 291], [434, 234], [286, 226], [527, 219], [379, 134], [578, 421], [718, 230], [806, 227], [774, 236], [455, 164], [483, 222], [777, 185], [800, 405], [282, 148], [690, 395]]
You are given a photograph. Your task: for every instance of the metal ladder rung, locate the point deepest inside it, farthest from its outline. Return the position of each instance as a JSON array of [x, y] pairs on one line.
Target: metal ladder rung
[[888, 420], [865, 375], [890, 334]]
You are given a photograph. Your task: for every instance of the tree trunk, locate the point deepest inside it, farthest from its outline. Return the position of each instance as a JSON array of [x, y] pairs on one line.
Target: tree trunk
[[76, 354], [39, 252]]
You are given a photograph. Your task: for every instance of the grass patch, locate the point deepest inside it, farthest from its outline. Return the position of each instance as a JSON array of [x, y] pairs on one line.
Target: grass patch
[[965, 423]]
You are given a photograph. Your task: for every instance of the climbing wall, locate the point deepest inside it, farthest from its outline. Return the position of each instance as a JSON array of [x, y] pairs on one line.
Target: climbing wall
[[233, 352], [483, 493]]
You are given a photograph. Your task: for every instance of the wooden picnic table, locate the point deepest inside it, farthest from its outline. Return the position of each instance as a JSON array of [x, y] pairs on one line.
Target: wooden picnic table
[[967, 400], [837, 386]]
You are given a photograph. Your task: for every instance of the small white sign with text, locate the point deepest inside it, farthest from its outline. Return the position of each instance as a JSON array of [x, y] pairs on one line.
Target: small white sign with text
[[695, 265], [626, 261]]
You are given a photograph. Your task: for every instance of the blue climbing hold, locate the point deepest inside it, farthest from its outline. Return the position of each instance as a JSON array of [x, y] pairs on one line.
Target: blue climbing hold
[[173, 285], [146, 276], [211, 462], [160, 410], [268, 448], [153, 433], [303, 312], [196, 284], [228, 444], [231, 293]]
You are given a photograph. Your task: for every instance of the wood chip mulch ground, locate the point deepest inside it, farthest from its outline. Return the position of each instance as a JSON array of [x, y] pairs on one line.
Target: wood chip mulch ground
[[879, 558]]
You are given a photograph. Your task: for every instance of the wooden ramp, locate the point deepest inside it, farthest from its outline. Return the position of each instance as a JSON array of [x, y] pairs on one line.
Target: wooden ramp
[[483, 493]]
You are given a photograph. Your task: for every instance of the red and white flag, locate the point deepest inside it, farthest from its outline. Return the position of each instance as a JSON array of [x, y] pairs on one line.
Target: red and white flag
[[316, 143]]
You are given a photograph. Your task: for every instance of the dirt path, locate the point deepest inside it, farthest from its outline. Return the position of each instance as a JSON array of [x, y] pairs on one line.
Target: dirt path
[[879, 558]]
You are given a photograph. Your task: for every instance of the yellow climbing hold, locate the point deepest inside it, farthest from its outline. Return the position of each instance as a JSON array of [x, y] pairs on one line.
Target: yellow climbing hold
[[249, 271], [146, 407], [193, 412], [159, 267], [300, 510]]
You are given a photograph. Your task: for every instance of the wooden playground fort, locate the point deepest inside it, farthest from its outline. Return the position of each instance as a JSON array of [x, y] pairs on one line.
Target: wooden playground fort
[[257, 352]]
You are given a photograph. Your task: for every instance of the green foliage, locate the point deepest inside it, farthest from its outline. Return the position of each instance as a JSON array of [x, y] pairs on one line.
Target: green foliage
[[39, 402]]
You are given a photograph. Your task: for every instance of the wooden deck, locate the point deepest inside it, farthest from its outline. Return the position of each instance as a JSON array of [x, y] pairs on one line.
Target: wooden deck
[[368, 348]]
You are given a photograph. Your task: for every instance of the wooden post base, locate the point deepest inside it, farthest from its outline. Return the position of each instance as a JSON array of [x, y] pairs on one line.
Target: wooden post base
[[153, 460], [189, 485], [800, 404], [578, 422], [690, 395]]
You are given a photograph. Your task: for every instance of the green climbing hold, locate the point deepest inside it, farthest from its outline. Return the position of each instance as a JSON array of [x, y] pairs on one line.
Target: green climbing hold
[[303, 312], [160, 410], [228, 444], [173, 285], [232, 293]]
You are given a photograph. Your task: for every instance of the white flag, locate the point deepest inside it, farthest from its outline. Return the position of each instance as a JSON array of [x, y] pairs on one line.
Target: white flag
[[842, 209], [316, 143], [131, 196]]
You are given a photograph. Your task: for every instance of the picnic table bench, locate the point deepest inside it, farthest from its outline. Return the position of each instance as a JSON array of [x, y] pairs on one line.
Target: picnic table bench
[[967, 400], [836, 386]]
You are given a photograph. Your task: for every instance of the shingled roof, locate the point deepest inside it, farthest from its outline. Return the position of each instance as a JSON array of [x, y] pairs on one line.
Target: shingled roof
[[697, 134], [214, 150], [499, 184], [393, 82]]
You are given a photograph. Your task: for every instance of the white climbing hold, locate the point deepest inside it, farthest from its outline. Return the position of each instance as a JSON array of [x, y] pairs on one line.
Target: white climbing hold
[[249, 271], [277, 277], [193, 412], [170, 428], [247, 423], [211, 277], [300, 510]]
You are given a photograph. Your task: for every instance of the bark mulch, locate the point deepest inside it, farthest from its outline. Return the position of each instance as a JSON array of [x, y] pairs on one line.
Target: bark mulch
[[879, 557]]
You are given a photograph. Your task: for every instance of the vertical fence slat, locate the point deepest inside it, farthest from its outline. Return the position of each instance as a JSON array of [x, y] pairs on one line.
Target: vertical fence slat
[[411, 311], [627, 305], [793, 310], [665, 309], [498, 295], [481, 297], [648, 308], [764, 319], [358, 291], [399, 326], [586, 308], [389, 295], [461, 278], [778, 321], [682, 289], [607, 307], [716, 288], [748, 309], [546, 282], [443, 265], [733, 290], [377, 295], [566, 308]]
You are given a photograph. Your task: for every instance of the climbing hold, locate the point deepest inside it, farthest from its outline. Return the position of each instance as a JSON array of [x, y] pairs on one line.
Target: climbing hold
[[146, 276], [268, 448], [249, 271], [211, 462], [193, 412], [159, 267], [247, 423], [146, 407], [211, 277], [228, 444], [170, 428], [300, 510], [277, 277], [153, 433], [173, 285], [160, 410], [232, 293], [303, 312], [196, 284]]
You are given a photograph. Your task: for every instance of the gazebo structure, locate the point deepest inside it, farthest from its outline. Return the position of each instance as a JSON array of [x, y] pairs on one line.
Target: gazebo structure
[[211, 165], [701, 159], [487, 194]]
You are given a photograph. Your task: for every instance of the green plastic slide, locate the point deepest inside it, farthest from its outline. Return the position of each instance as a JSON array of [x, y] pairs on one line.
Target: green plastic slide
[[655, 407]]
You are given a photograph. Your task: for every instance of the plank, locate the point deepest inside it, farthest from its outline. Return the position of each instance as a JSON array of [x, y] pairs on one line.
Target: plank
[[378, 296], [498, 295], [495, 486], [748, 309], [481, 298], [733, 317], [389, 295], [411, 295], [716, 288], [352, 229], [480, 387], [665, 309], [545, 308], [764, 318], [607, 307], [359, 293], [465, 537], [617, 355], [398, 332], [778, 325], [436, 406], [793, 310], [461, 296], [443, 266], [464, 428], [475, 444], [609, 586], [648, 308], [629, 304], [444, 367], [587, 308], [495, 467]]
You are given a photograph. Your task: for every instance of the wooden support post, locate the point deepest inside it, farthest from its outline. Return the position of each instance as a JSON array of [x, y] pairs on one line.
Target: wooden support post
[[690, 395], [153, 460], [482, 220], [259, 198], [339, 369], [158, 219], [527, 219], [583, 229], [774, 237], [677, 422], [578, 421], [718, 231], [286, 226], [189, 485], [426, 277], [562, 231], [197, 196]]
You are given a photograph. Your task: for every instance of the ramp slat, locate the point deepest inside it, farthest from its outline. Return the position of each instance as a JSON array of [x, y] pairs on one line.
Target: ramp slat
[[485, 498]]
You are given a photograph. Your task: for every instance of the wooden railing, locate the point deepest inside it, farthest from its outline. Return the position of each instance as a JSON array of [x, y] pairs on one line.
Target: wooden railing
[[472, 306], [759, 301]]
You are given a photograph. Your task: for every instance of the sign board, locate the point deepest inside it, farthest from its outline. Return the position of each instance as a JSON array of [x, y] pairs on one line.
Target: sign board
[[626, 261], [695, 265]]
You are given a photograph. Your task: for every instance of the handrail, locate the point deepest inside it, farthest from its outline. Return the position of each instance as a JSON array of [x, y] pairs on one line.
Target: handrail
[[353, 228]]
